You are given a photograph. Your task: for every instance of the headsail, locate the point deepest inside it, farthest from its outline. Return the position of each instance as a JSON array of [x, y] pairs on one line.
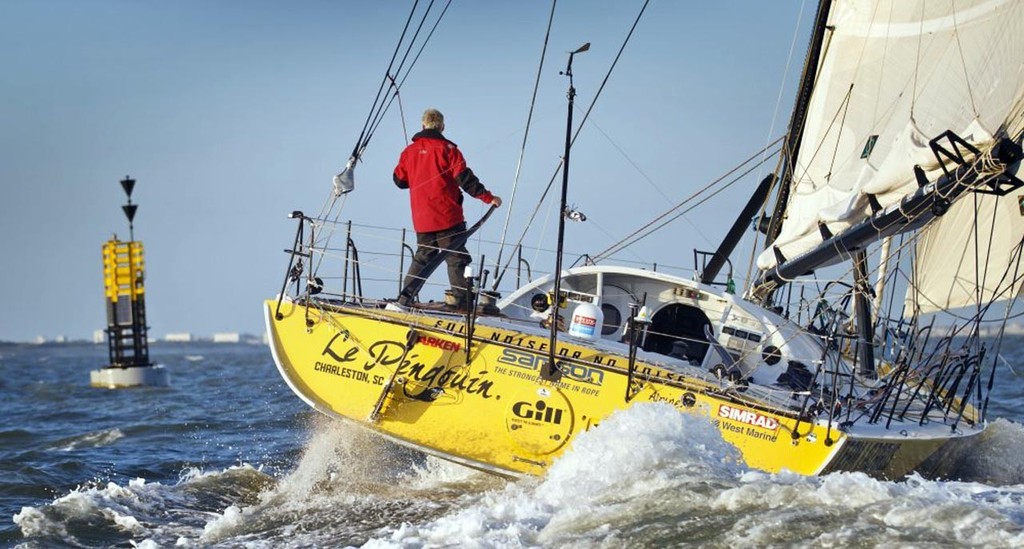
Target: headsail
[[960, 263], [894, 75]]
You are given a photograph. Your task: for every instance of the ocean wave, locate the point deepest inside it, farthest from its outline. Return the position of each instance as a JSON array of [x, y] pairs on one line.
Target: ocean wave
[[14, 437], [198, 476], [676, 482], [596, 488], [648, 475], [996, 459], [162, 514], [89, 440], [852, 508], [110, 507], [346, 487]]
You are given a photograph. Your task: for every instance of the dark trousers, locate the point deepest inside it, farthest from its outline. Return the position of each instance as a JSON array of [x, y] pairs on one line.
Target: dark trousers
[[428, 246]]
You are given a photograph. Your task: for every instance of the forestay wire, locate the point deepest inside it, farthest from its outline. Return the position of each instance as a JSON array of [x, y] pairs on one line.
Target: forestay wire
[[382, 101], [396, 86]]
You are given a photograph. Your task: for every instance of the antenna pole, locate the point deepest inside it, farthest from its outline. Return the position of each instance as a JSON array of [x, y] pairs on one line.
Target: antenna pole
[[551, 372]]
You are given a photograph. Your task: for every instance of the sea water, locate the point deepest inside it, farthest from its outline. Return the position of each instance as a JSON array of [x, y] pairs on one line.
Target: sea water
[[228, 456]]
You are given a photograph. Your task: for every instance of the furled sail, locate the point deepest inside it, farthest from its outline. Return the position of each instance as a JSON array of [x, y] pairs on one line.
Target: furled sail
[[893, 75]]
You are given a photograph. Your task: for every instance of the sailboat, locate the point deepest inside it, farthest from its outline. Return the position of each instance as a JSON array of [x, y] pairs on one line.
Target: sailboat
[[866, 339]]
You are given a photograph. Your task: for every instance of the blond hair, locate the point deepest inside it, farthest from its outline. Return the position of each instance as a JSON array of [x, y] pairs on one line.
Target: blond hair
[[433, 120]]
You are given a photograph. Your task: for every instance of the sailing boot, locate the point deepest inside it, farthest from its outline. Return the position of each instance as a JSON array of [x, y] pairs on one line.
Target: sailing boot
[[456, 301]]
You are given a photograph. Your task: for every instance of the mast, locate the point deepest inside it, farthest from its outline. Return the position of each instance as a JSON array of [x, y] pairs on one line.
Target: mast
[[796, 124], [552, 371]]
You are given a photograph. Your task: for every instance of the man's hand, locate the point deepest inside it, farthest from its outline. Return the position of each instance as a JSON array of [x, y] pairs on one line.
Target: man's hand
[[496, 201]]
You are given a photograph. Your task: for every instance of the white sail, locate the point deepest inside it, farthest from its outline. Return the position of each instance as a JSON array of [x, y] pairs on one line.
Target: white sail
[[961, 263], [893, 75]]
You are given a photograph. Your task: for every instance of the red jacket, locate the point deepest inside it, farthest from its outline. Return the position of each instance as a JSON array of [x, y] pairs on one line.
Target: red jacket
[[433, 170]]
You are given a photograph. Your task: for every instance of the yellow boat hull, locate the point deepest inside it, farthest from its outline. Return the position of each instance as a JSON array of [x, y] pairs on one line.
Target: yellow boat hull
[[409, 377]]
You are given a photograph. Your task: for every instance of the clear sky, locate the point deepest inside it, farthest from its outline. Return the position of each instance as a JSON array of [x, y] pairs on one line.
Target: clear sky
[[230, 114]]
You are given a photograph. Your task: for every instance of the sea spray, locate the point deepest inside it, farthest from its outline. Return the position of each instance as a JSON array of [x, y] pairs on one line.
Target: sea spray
[[347, 485], [589, 494], [434, 474], [109, 507], [325, 462]]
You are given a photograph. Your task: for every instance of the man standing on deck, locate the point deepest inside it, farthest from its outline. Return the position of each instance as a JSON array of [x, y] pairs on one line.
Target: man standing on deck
[[433, 170]]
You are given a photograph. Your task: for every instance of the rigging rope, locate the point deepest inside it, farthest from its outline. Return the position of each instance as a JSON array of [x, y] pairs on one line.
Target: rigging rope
[[526, 134], [382, 103], [771, 131], [380, 115], [503, 268], [781, 167], [633, 237], [401, 109], [646, 178], [360, 143]]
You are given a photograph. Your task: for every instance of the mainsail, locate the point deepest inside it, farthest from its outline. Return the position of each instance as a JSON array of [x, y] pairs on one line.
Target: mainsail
[[893, 76]]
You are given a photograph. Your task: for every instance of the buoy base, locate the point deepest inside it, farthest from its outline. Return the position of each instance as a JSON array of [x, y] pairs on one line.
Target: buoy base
[[113, 377]]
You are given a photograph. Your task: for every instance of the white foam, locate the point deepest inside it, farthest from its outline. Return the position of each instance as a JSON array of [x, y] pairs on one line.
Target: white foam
[[113, 504], [852, 508], [191, 475], [662, 443], [33, 522], [221, 526], [581, 498], [647, 471], [651, 467]]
